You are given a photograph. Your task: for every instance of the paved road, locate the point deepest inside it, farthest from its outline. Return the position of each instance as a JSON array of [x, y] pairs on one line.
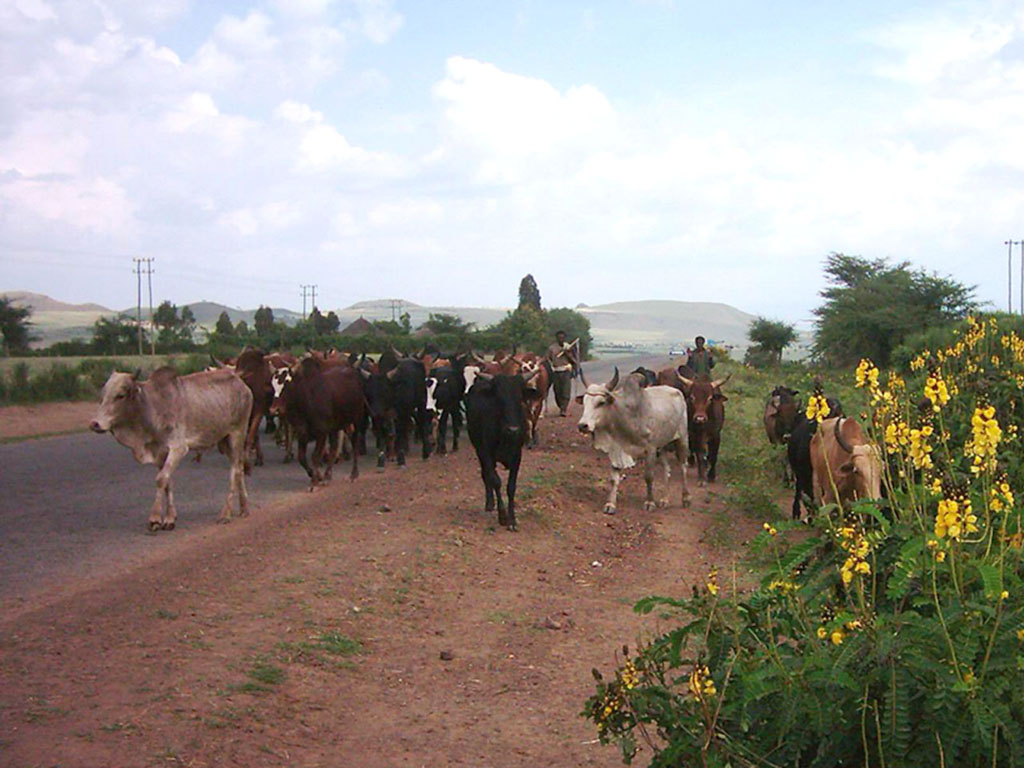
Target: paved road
[[75, 507]]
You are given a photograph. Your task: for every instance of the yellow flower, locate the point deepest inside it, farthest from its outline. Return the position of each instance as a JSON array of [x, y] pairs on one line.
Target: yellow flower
[[823, 633], [1004, 595], [837, 637], [867, 374], [701, 684], [712, 582], [1020, 634], [936, 391], [940, 556], [771, 529], [817, 408]]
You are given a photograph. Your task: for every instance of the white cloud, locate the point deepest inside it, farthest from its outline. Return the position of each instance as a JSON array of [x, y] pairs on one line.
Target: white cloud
[[247, 37], [36, 10], [96, 205], [377, 20]]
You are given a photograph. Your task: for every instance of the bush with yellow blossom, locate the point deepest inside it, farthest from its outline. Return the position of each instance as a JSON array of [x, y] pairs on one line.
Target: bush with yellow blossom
[[887, 634]]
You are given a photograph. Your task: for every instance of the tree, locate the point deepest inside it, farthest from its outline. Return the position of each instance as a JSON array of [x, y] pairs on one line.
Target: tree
[[14, 325], [188, 324], [114, 335], [324, 324], [771, 336], [529, 293], [264, 320], [575, 324], [872, 306], [224, 326], [443, 323]]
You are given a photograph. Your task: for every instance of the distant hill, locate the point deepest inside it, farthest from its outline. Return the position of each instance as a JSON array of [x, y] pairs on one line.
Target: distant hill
[[661, 323], [42, 303], [655, 326]]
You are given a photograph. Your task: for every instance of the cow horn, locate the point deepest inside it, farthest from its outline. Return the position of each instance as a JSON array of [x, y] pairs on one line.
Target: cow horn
[[391, 373], [137, 374], [485, 376], [839, 437], [719, 382], [615, 380], [687, 382]]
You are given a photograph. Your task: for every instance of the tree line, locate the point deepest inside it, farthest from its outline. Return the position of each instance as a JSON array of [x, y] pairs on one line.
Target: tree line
[[530, 327]]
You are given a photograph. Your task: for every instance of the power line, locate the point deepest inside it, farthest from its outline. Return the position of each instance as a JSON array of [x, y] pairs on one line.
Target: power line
[[137, 270], [308, 291]]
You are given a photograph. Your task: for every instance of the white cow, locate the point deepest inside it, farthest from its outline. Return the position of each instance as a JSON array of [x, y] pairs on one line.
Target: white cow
[[163, 418], [631, 423]]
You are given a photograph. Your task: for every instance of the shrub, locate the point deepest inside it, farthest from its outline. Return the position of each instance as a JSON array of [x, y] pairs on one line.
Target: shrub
[[885, 634]]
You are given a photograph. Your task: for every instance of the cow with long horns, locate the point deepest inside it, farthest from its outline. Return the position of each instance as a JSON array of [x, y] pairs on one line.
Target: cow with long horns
[[845, 466], [632, 423], [706, 405]]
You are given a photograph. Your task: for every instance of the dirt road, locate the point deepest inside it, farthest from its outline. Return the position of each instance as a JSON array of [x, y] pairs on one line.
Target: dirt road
[[312, 633]]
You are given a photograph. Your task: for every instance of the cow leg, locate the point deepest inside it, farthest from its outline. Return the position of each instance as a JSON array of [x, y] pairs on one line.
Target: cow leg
[[423, 424], [355, 459], [649, 481], [334, 439], [681, 451], [663, 460], [303, 445], [442, 432], [510, 486], [488, 474], [713, 442], [164, 491], [613, 494], [252, 438], [456, 427], [236, 451]]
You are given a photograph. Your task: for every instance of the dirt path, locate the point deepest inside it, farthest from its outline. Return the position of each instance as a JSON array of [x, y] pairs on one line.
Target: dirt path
[[45, 419], [313, 635]]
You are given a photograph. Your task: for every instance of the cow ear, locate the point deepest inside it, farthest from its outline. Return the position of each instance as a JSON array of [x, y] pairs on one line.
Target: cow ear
[[848, 468], [720, 396]]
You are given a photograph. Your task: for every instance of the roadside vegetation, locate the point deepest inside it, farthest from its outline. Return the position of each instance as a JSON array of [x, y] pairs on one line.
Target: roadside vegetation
[[887, 633]]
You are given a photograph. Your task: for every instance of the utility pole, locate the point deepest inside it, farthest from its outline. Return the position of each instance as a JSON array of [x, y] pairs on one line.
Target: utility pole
[[396, 304], [152, 327], [304, 294], [137, 270], [1009, 273], [313, 289]]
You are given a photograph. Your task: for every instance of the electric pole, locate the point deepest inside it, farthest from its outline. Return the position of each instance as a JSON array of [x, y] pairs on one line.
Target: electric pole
[[1009, 273], [137, 270], [152, 327], [304, 294], [396, 304]]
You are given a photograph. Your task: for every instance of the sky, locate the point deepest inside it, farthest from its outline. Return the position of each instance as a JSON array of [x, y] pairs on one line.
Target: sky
[[438, 151]]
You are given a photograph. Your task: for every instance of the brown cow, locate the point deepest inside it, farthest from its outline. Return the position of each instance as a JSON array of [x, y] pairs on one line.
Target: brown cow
[[253, 368], [540, 382], [844, 465], [706, 413], [319, 402], [163, 418]]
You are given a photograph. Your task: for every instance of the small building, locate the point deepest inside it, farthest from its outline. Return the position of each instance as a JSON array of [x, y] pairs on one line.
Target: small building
[[360, 327]]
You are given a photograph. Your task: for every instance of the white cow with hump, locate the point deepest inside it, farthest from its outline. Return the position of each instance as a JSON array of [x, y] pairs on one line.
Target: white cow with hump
[[631, 423]]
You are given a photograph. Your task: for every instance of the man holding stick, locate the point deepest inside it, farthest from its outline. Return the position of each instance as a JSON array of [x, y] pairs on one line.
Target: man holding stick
[[563, 360]]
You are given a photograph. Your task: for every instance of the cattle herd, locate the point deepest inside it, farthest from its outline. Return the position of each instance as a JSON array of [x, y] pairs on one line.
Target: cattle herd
[[334, 399]]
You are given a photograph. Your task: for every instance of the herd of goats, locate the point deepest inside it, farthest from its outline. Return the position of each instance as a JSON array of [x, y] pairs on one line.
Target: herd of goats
[[333, 399]]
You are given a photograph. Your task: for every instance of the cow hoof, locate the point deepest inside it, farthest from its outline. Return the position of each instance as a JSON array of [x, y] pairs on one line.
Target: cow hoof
[[168, 526], [223, 520], [609, 509], [661, 503], [512, 527], [442, 451], [154, 525], [650, 506], [686, 502]]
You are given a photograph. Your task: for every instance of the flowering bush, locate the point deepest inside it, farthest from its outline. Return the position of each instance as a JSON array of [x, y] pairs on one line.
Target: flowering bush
[[890, 633]]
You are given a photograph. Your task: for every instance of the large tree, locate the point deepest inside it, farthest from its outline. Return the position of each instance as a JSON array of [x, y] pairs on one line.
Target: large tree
[[871, 306], [529, 293], [264, 320], [771, 336], [14, 325], [224, 326]]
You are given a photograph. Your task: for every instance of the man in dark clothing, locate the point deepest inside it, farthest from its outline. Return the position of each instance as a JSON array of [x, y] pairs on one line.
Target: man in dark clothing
[[562, 359], [700, 359]]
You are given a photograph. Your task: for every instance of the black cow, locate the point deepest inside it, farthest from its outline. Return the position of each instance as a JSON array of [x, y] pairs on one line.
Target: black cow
[[650, 378], [798, 451], [380, 403], [497, 428], [409, 392], [449, 391]]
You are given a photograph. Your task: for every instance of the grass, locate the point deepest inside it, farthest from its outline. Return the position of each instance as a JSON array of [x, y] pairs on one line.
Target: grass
[[326, 647], [266, 674]]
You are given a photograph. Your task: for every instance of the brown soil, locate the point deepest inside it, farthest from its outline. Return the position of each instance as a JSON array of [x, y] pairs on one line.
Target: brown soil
[[45, 419], [475, 644]]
